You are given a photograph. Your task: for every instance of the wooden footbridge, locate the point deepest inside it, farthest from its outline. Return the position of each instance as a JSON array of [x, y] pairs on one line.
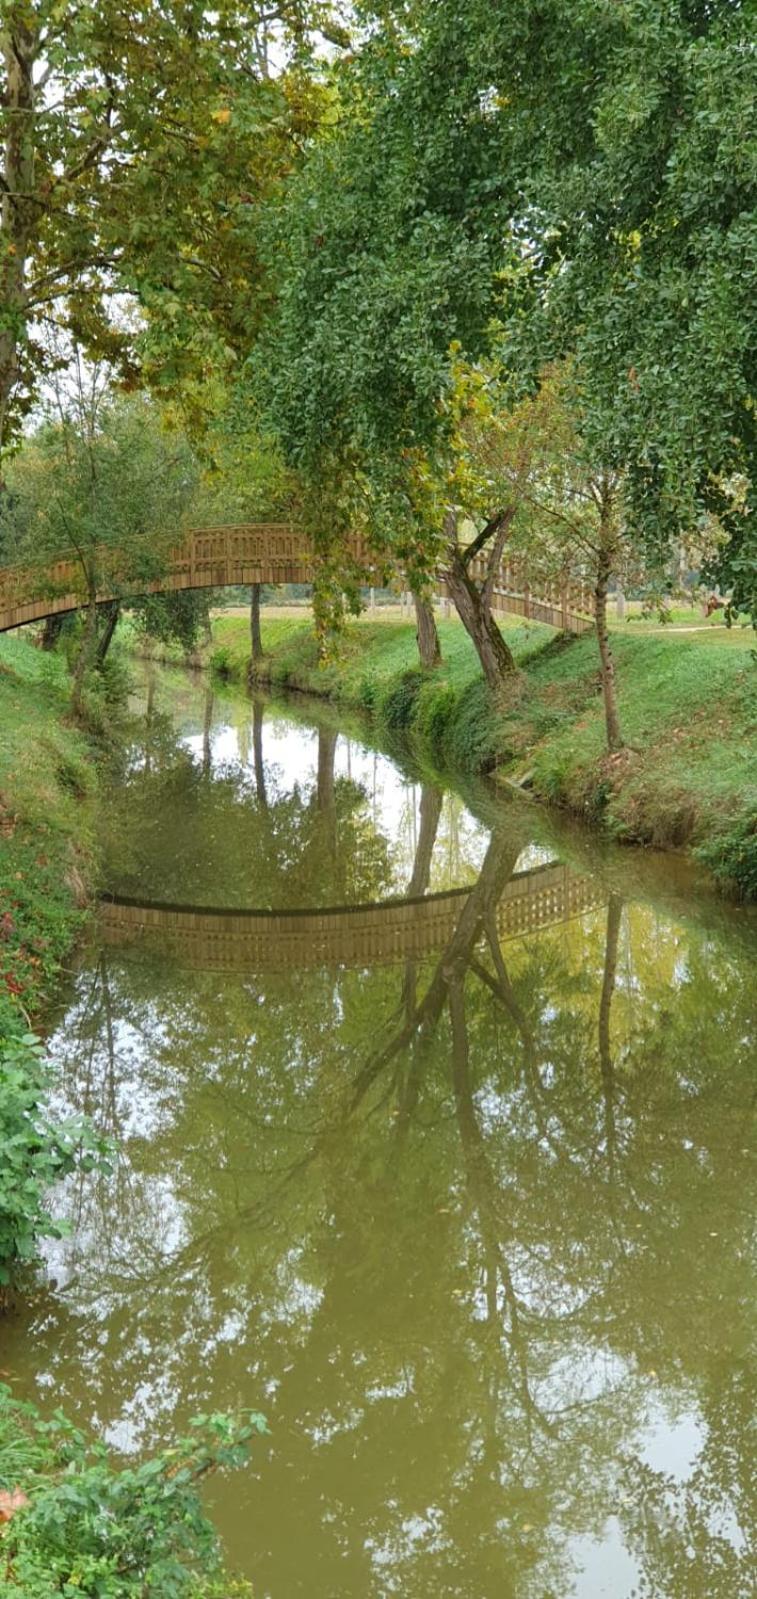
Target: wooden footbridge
[[259, 552], [350, 936]]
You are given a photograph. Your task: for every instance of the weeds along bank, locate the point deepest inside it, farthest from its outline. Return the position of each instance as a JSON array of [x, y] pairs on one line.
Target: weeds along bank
[[687, 777]]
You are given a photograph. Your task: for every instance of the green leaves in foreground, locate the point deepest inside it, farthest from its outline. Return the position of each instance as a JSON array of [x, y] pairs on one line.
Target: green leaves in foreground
[[36, 1153], [90, 1529]]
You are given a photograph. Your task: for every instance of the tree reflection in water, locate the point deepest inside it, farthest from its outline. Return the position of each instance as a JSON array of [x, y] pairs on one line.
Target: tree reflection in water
[[474, 1231]]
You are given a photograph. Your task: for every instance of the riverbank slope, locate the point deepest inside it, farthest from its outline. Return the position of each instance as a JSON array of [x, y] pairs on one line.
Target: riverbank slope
[[47, 828], [688, 706]]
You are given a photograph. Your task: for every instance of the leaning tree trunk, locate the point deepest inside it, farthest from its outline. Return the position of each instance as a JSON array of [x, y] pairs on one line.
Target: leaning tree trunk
[[256, 636], [474, 610], [429, 648], [609, 691]]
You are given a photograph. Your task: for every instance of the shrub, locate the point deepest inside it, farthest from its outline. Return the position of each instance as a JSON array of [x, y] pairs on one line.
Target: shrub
[[79, 1525], [37, 1152], [220, 661]]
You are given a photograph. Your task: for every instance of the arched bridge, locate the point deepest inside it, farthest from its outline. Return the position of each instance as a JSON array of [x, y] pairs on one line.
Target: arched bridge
[[258, 552], [351, 935]]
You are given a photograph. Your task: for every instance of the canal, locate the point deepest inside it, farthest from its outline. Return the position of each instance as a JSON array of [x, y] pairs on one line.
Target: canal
[[435, 1122]]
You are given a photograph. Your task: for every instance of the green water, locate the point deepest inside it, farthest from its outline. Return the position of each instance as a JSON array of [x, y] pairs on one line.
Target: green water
[[470, 1218]]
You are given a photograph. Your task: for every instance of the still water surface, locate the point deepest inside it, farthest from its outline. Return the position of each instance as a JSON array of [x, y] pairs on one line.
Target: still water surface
[[460, 1195]]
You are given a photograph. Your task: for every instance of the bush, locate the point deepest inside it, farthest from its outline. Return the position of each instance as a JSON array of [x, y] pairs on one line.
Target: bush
[[37, 1153], [221, 664], [732, 856], [78, 1525]]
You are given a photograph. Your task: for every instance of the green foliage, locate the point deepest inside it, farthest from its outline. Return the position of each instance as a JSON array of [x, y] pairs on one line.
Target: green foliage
[[37, 1153], [181, 618], [92, 1529], [548, 180], [108, 198], [101, 474]]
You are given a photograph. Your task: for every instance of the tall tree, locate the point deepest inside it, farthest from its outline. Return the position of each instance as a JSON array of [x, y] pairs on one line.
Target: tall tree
[[102, 483]]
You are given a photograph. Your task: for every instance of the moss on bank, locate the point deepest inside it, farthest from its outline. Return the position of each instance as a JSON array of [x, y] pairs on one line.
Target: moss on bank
[[47, 829], [688, 778]]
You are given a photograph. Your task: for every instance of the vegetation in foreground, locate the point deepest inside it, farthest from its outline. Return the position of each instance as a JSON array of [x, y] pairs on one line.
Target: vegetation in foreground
[[687, 779], [70, 1521], [74, 1523]]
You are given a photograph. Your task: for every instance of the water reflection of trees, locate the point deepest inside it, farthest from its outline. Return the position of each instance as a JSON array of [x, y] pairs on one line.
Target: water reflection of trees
[[233, 833], [452, 1225]]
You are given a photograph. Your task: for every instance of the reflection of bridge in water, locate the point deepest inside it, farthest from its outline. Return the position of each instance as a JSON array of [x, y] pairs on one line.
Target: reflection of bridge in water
[[354, 936], [260, 552]]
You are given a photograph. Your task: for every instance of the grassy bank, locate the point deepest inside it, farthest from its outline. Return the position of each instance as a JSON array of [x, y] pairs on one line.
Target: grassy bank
[[688, 704], [47, 833]]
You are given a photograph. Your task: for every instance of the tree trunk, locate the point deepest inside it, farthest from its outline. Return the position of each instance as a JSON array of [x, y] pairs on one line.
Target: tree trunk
[[326, 752], [17, 208], [614, 916], [109, 613], [429, 648], [87, 646], [257, 753], [612, 719], [51, 631], [431, 810], [475, 613], [207, 734], [256, 636]]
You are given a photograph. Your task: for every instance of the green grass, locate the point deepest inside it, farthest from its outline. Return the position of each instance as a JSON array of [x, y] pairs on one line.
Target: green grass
[[47, 789], [688, 777]]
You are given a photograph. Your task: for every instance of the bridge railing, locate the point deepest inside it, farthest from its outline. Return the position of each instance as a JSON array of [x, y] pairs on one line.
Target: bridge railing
[[353, 936], [262, 552]]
